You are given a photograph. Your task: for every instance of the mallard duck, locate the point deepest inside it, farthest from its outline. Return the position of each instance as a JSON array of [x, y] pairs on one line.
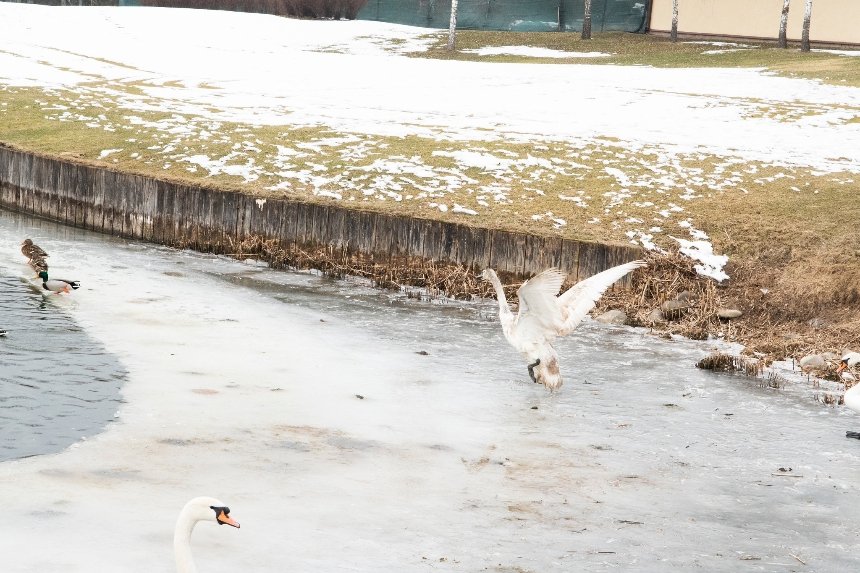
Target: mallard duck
[[31, 250], [38, 264], [57, 286], [544, 314]]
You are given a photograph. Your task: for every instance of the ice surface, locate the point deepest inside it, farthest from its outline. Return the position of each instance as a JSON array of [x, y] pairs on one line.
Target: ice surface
[[243, 384]]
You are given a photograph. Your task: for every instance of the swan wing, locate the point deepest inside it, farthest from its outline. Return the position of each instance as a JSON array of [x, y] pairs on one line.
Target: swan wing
[[579, 299], [539, 316]]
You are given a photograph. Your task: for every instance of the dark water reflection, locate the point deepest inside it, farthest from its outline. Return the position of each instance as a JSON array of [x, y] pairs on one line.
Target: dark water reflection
[[57, 385]]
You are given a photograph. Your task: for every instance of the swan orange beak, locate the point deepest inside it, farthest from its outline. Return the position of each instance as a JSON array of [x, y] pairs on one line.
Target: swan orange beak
[[843, 364], [226, 519]]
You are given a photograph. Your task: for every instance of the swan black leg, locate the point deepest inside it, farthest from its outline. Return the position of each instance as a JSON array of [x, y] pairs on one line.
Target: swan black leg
[[532, 370], [855, 435]]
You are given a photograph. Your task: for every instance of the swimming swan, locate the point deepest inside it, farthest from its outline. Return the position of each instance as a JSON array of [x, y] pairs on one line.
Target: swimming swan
[[544, 314], [198, 509]]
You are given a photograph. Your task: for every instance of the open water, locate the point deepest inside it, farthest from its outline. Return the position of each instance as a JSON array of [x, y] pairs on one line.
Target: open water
[[57, 384]]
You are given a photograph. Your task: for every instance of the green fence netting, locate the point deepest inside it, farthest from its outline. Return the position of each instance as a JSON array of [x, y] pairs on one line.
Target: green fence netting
[[515, 15]]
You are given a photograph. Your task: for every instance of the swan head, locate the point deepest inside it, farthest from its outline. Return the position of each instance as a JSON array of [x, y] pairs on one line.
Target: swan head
[[843, 365], [209, 509], [488, 274]]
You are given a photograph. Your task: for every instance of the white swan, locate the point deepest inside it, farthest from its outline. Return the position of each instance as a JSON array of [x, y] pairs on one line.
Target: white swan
[[852, 395], [198, 509], [543, 316], [851, 399]]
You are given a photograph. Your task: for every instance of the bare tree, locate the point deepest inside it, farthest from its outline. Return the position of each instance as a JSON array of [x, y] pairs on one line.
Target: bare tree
[[452, 26], [807, 16], [586, 21], [783, 24], [674, 34]]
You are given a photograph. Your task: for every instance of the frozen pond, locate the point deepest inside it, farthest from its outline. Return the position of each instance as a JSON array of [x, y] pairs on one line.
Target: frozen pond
[[244, 384]]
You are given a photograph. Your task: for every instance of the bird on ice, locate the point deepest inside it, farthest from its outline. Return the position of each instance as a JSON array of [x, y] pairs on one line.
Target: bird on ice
[[57, 286], [544, 314], [852, 395]]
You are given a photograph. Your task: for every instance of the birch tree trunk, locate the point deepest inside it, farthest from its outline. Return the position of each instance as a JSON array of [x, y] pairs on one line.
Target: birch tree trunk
[[674, 35], [452, 26], [807, 16], [783, 24], [586, 21]]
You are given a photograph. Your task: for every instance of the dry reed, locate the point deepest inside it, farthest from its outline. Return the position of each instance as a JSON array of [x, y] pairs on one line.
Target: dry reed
[[722, 362]]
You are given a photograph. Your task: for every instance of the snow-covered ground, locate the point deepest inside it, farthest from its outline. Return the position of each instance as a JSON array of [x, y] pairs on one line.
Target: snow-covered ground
[[195, 88], [350, 429]]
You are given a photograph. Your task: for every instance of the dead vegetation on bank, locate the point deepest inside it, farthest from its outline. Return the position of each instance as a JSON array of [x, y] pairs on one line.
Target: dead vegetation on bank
[[777, 322], [768, 329], [437, 278]]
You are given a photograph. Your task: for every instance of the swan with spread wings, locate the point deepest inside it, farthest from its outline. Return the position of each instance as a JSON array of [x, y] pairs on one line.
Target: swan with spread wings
[[544, 315]]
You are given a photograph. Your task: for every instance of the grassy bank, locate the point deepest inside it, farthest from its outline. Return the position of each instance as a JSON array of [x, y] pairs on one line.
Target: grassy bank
[[788, 230], [626, 49]]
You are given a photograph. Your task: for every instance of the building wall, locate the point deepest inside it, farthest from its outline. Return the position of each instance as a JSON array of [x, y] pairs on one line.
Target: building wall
[[836, 21]]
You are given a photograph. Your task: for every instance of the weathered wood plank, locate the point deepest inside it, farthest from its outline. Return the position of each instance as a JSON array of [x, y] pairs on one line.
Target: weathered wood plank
[[192, 215]]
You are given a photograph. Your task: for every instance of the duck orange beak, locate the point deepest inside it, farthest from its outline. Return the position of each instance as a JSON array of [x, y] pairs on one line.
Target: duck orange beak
[[226, 519]]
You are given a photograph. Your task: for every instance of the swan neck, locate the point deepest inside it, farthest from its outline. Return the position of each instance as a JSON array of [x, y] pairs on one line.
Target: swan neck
[[182, 544], [500, 292]]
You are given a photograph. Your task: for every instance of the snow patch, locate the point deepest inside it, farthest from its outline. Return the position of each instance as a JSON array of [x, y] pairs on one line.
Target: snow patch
[[107, 152], [702, 251], [533, 52]]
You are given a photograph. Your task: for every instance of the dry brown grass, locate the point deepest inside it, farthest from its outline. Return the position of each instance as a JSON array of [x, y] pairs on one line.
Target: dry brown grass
[[722, 362], [652, 50], [766, 329], [781, 319], [434, 278]]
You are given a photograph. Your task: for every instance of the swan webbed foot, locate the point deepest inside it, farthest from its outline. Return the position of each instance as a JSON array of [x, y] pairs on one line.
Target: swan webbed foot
[[532, 370], [855, 435]]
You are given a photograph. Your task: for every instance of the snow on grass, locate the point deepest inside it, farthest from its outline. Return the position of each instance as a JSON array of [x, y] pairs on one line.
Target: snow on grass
[[351, 119], [107, 152], [849, 53], [717, 43], [465, 210], [724, 51], [702, 251], [533, 52]]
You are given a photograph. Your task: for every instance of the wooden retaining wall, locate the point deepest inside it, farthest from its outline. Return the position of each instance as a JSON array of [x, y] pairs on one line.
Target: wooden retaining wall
[[205, 219]]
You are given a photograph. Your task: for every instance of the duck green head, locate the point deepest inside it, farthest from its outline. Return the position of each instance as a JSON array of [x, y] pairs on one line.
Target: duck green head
[[43, 275]]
